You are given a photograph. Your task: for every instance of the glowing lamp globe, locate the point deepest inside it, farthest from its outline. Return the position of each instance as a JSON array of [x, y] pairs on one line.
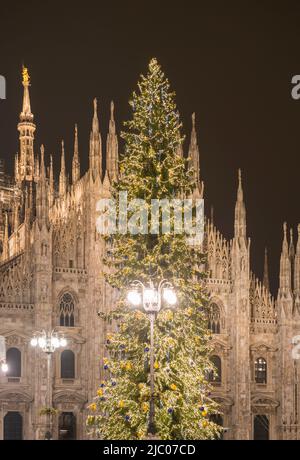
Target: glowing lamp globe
[[4, 367], [55, 342], [134, 298], [169, 296], [34, 342], [150, 296], [63, 342], [42, 342]]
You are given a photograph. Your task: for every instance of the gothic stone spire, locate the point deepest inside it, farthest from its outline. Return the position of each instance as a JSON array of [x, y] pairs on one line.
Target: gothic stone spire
[[26, 128], [75, 162], [112, 158], [194, 152], [266, 281], [95, 146], [62, 176], [240, 228], [285, 266]]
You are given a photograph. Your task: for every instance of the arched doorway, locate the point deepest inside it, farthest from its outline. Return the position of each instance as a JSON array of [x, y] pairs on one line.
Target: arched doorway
[[261, 428], [218, 420], [13, 426], [67, 426]]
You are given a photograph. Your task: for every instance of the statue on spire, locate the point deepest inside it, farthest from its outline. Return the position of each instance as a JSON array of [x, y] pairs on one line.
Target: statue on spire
[[25, 75]]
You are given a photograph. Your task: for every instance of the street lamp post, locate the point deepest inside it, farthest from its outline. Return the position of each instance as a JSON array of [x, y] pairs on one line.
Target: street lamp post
[[152, 300], [48, 342]]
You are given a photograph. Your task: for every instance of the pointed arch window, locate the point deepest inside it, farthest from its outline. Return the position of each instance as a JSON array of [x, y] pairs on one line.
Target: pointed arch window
[[67, 311], [67, 365], [215, 376], [13, 359], [260, 370], [214, 320]]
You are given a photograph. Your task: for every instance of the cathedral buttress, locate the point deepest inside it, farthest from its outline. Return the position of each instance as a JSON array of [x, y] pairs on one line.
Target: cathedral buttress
[[241, 321]]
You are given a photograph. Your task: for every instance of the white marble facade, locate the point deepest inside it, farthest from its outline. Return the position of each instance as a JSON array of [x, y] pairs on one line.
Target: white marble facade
[[51, 277]]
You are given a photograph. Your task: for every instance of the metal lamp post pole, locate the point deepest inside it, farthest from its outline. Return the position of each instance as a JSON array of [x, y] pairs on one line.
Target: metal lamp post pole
[[151, 301], [48, 343], [48, 434], [151, 427]]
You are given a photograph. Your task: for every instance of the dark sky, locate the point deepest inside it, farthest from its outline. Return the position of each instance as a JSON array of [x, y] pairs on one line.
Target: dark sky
[[231, 62]]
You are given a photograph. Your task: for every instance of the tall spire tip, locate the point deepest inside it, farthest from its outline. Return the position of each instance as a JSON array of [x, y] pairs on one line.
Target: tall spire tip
[[95, 105], [112, 109], [194, 120], [240, 176]]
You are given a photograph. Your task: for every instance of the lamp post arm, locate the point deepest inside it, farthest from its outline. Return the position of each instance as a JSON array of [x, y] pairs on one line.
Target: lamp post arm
[[137, 283], [163, 281]]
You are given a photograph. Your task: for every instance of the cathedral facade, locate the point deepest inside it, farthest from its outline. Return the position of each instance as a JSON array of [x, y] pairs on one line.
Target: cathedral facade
[[51, 278]]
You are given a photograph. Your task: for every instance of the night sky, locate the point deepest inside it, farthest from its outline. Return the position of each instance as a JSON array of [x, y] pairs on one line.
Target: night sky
[[230, 63]]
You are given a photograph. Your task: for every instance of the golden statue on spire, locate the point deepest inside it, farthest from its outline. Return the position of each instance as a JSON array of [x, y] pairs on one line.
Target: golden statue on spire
[[25, 75]]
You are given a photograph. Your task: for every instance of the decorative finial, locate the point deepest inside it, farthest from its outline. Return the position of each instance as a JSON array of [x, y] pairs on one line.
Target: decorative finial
[[285, 229], [51, 168], [194, 120], [240, 176], [76, 129], [62, 145], [212, 214], [112, 109], [25, 75], [95, 105]]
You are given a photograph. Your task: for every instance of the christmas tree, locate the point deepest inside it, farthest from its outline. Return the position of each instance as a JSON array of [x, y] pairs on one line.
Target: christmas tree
[[153, 168]]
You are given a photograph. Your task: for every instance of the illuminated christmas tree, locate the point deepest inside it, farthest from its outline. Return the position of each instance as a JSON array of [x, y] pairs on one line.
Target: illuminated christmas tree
[[154, 168]]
